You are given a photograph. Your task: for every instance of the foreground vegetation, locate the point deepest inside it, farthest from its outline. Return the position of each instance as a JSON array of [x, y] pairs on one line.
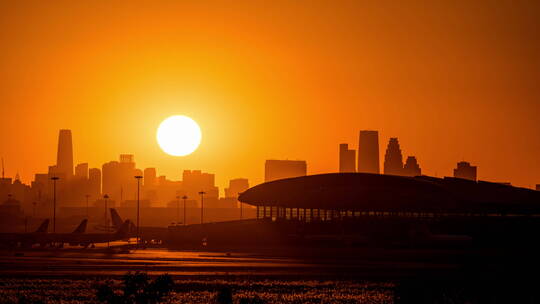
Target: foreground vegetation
[[204, 290]]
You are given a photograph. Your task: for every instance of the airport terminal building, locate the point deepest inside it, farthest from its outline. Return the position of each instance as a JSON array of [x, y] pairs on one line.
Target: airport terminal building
[[364, 209], [336, 196]]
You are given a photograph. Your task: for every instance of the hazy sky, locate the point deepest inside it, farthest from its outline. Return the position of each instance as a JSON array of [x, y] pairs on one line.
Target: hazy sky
[[453, 80]]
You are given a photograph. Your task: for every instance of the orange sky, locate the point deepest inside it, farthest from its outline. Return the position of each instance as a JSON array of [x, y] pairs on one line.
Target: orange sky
[[273, 79]]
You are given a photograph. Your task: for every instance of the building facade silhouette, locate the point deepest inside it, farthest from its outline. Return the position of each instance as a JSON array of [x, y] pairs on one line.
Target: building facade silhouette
[[236, 186], [94, 182], [81, 171], [465, 170], [368, 152], [118, 180], [412, 168], [347, 159], [393, 160], [150, 177], [195, 181], [64, 156]]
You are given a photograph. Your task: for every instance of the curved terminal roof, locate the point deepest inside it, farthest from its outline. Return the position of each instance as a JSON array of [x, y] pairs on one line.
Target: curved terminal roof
[[375, 192]]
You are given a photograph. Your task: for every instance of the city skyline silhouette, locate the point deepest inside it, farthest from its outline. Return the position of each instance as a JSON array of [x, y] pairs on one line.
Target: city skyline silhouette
[[451, 91]]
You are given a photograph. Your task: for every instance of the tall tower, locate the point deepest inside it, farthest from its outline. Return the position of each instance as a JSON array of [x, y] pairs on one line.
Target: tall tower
[[465, 170], [150, 177], [393, 160], [412, 168], [368, 152], [347, 159], [64, 157]]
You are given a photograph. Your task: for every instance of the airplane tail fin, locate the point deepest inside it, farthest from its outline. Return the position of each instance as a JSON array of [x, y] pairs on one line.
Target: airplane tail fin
[[43, 227], [124, 229], [116, 219], [82, 227]]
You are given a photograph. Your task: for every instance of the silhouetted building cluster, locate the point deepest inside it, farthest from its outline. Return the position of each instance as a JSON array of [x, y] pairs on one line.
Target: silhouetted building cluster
[[114, 185], [80, 185], [465, 170], [393, 161], [72, 186], [368, 157]]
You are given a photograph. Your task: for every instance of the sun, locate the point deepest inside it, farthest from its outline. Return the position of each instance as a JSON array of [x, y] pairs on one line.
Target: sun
[[178, 135]]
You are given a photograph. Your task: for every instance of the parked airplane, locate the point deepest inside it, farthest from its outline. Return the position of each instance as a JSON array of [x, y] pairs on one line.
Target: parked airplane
[[116, 223], [31, 238], [147, 233], [87, 239], [22, 239]]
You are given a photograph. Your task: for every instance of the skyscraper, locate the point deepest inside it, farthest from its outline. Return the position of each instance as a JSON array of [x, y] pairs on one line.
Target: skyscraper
[[347, 159], [81, 171], [150, 177], [94, 181], [118, 178], [236, 186], [368, 152], [64, 157], [194, 181], [465, 170], [393, 160], [411, 167]]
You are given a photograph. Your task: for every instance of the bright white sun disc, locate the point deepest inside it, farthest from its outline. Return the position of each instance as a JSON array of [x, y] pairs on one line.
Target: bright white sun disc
[[178, 135]]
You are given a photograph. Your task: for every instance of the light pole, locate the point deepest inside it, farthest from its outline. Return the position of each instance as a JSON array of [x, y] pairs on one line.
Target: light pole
[[177, 209], [138, 177], [184, 198], [87, 196], [106, 197], [202, 193], [54, 179], [240, 210]]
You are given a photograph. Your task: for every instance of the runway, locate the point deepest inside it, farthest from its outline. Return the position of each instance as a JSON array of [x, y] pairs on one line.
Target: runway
[[65, 263]]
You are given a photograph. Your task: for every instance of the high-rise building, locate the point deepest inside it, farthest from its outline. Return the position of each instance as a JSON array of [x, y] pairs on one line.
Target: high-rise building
[[64, 157], [279, 169], [195, 181], [347, 159], [465, 170], [150, 177], [411, 167], [81, 171], [368, 152], [393, 160], [118, 178], [236, 186], [94, 182]]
